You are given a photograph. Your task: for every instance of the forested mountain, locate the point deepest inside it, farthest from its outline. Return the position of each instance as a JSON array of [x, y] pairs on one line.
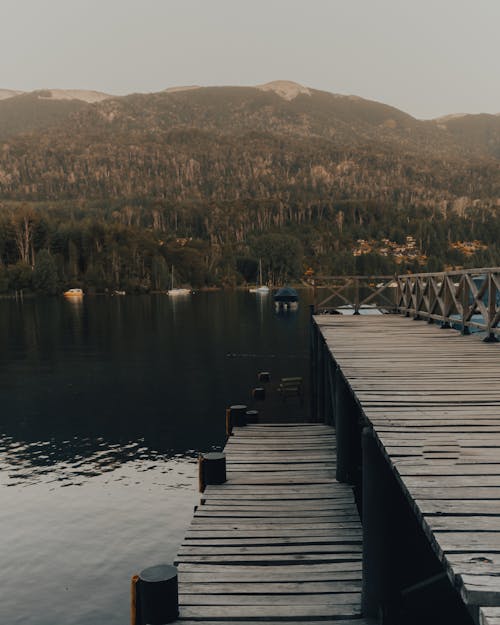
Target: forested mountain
[[211, 178], [38, 110]]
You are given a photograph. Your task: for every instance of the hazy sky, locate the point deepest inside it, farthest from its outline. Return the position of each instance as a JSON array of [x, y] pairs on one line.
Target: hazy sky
[[427, 58]]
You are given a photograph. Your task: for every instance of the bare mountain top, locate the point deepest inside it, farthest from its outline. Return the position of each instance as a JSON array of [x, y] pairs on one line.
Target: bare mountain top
[[84, 95], [8, 93], [286, 89], [181, 88]]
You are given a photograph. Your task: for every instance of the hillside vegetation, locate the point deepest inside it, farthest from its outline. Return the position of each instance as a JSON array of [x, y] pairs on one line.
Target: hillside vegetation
[[212, 179]]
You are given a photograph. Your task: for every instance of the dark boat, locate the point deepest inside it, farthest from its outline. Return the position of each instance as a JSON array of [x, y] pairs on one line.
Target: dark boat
[[286, 297], [286, 294]]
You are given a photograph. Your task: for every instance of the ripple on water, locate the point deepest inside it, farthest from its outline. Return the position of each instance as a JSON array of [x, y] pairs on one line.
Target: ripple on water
[[74, 461]]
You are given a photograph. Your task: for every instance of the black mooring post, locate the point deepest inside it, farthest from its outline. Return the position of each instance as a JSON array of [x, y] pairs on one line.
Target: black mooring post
[[214, 468], [345, 430], [376, 511], [156, 596], [259, 394], [252, 416], [237, 415]]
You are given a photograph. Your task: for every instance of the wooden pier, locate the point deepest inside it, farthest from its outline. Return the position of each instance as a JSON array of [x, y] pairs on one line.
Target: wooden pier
[[385, 506], [417, 415], [280, 541]]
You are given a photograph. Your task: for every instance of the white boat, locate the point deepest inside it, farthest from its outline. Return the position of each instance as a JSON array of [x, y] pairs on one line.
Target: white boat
[[173, 292], [73, 293], [263, 289]]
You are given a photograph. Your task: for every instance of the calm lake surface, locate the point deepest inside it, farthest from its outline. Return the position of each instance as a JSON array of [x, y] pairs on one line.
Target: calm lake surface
[[104, 406]]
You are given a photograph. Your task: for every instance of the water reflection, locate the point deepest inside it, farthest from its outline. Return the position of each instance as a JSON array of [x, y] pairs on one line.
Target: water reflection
[[81, 376]]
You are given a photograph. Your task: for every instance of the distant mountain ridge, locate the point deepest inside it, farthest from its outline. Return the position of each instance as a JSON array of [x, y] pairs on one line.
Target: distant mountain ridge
[[212, 144], [85, 95]]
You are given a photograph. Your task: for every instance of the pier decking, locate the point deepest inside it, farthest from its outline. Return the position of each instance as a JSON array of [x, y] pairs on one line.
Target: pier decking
[[280, 541], [431, 400]]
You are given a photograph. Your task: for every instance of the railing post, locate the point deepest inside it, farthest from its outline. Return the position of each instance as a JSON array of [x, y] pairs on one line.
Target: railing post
[[445, 324], [491, 309], [356, 296], [464, 285], [416, 316], [408, 295]]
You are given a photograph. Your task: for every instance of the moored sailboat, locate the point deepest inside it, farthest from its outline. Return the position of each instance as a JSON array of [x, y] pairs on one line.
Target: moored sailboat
[[176, 291], [263, 289]]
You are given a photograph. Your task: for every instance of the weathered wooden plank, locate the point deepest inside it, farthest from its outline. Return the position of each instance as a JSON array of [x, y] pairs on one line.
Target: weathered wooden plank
[[346, 544], [481, 589], [195, 618], [252, 522], [466, 523], [236, 587], [460, 507], [489, 616], [277, 531], [325, 468], [207, 512], [271, 507], [474, 563], [272, 600], [347, 531], [468, 541], [238, 525], [273, 496], [275, 558], [263, 576], [277, 571], [466, 492]]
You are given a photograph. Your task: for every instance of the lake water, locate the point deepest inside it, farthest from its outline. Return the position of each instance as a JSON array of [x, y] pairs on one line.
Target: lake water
[[105, 404]]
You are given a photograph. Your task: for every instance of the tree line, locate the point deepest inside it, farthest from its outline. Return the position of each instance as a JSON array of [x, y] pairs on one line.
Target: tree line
[[103, 246]]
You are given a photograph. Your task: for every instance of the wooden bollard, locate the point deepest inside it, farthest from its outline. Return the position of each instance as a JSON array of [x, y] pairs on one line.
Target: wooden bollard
[[252, 416], [259, 393], [264, 376], [213, 468], [237, 415], [155, 596]]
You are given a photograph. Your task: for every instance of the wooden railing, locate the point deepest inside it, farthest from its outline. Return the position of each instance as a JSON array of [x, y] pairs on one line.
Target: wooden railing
[[355, 292], [465, 299], [468, 298]]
